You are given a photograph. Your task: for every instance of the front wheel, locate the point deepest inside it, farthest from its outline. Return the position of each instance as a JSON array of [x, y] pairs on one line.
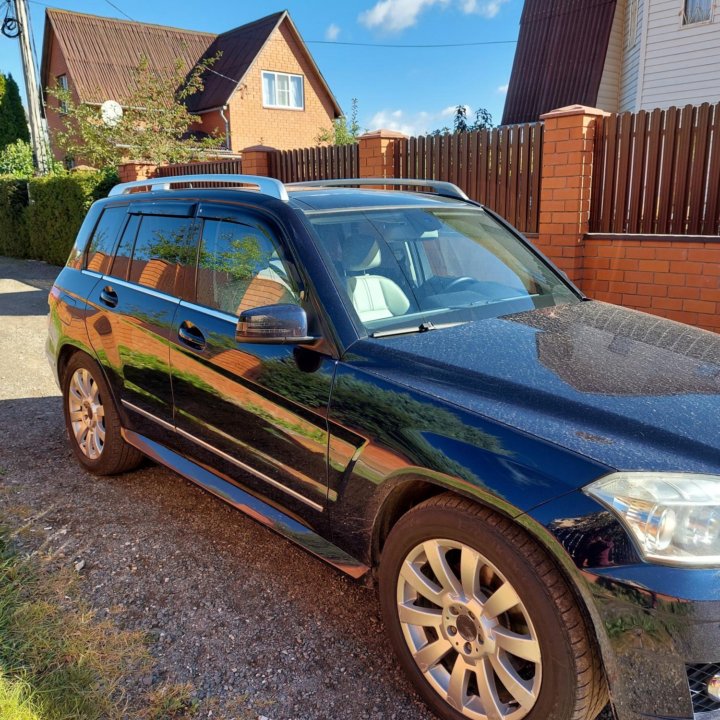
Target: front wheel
[[481, 620], [92, 421]]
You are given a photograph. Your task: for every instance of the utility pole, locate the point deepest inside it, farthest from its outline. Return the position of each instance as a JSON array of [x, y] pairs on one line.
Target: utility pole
[[38, 132]]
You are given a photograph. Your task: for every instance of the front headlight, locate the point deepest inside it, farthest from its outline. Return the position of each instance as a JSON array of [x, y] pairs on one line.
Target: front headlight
[[674, 517]]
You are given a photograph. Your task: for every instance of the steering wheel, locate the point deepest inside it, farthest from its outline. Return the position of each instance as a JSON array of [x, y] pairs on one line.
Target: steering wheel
[[459, 281]]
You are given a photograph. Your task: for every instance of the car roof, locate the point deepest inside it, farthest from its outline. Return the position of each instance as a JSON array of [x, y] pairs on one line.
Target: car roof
[[348, 198], [305, 200], [308, 196]]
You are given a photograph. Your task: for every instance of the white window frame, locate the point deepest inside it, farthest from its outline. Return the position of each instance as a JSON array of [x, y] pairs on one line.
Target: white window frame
[[684, 19], [275, 105], [62, 82], [631, 23]]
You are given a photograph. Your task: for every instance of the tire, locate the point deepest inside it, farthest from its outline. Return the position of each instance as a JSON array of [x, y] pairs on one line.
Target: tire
[[92, 421], [455, 581]]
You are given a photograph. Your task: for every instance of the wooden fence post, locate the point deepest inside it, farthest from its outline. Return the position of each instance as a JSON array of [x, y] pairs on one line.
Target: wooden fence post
[[567, 165], [377, 153]]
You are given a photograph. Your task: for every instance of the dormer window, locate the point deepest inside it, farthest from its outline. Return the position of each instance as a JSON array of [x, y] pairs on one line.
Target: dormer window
[[697, 11], [282, 90]]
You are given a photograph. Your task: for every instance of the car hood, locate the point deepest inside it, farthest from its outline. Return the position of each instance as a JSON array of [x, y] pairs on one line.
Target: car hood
[[624, 388]]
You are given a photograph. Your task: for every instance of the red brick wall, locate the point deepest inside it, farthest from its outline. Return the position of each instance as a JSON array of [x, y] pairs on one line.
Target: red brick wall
[[678, 279], [57, 67], [253, 124]]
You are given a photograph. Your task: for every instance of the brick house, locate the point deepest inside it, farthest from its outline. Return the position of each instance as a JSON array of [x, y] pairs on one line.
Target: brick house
[[616, 55], [265, 88]]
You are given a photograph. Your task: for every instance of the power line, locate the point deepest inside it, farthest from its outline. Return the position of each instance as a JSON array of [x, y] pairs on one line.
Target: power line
[[122, 12], [387, 45], [349, 44]]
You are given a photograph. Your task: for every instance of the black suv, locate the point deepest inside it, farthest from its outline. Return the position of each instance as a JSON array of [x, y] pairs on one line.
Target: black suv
[[400, 383]]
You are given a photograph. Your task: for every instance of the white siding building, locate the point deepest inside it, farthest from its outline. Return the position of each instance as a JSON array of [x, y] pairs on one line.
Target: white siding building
[[618, 55], [662, 53]]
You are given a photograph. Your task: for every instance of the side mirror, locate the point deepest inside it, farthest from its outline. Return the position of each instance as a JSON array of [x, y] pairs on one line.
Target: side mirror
[[273, 324]]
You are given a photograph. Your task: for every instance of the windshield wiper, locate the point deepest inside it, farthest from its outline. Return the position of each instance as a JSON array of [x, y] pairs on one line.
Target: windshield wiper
[[421, 328]]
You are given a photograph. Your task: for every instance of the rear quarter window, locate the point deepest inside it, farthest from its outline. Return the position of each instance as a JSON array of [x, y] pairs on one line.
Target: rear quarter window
[[103, 241]]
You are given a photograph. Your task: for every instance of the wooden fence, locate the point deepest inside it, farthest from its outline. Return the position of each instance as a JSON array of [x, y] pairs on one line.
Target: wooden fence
[[212, 167], [315, 163], [658, 172], [500, 168]]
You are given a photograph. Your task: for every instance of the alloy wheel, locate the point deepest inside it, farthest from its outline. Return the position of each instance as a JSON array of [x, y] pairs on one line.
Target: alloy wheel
[[87, 414], [468, 631]]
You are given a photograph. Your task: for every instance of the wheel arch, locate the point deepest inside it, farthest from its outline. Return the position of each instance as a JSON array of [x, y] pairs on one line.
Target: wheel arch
[[66, 352], [406, 490], [417, 489]]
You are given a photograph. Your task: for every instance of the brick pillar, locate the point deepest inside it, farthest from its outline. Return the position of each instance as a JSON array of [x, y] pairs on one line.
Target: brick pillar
[[256, 160], [128, 172], [377, 153], [568, 144]]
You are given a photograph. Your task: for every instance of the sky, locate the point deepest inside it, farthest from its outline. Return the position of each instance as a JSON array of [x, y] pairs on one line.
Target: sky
[[410, 89]]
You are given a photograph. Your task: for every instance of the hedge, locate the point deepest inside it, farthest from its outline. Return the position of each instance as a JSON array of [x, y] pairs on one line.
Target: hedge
[[40, 217]]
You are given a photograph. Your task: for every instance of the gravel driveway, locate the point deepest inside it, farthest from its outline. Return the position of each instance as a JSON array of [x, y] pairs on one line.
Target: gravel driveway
[[257, 626]]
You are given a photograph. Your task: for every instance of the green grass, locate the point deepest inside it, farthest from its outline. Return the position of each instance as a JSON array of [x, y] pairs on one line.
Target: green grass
[[14, 701], [57, 660]]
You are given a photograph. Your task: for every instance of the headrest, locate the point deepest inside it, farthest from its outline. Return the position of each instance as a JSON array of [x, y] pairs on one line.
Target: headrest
[[360, 253], [398, 233]]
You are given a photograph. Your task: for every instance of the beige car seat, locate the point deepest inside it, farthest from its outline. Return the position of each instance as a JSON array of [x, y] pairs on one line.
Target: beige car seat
[[374, 296]]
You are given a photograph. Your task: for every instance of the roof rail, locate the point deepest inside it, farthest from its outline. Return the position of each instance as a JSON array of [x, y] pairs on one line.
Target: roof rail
[[445, 189], [266, 185]]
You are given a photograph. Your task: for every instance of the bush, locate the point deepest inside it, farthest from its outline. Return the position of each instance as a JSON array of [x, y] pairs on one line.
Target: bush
[[13, 226], [16, 159], [40, 217]]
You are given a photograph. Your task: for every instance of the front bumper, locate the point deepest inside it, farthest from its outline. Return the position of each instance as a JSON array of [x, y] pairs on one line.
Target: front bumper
[[660, 632], [658, 626]]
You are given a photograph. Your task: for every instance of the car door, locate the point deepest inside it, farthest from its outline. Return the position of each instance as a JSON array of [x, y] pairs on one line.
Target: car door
[[133, 307], [255, 412]]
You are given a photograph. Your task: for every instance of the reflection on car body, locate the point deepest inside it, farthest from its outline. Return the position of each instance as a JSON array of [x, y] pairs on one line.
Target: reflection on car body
[[401, 384]]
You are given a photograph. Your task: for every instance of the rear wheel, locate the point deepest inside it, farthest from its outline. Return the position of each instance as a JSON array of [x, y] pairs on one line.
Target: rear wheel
[[482, 622], [92, 421]]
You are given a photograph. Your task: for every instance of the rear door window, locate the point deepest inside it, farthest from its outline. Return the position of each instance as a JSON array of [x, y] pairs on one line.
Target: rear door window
[[163, 245]]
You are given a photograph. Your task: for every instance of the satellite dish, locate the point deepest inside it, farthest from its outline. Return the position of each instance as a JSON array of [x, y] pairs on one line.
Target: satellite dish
[[111, 113]]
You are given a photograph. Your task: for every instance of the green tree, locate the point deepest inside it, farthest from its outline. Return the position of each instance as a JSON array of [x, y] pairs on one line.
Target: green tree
[[154, 125], [343, 131], [16, 160], [13, 123], [482, 120]]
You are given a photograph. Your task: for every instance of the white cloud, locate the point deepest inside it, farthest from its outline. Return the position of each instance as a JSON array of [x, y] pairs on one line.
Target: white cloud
[[502, 89], [412, 124], [332, 32], [486, 8], [396, 15]]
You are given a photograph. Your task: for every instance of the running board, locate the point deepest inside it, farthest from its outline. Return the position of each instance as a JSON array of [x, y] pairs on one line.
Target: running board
[[249, 504]]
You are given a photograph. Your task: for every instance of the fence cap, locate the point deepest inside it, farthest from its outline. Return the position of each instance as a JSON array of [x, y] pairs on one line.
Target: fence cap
[[389, 134], [573, 110], [258, 148]]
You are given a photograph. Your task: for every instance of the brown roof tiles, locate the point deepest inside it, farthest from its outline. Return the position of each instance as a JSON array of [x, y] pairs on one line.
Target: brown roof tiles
[[103, 54], [560, 56]]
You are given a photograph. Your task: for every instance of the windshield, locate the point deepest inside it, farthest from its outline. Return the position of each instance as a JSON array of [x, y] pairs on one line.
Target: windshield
[[420, 268]]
